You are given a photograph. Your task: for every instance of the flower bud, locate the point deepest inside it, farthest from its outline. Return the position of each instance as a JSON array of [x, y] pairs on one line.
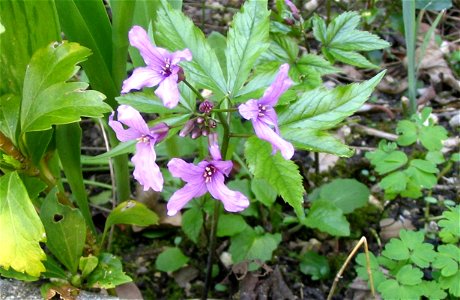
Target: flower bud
[[200, 120], [212, 123], [180, 75], [188, 127], [196, 133], [206, 106], [205, 131]]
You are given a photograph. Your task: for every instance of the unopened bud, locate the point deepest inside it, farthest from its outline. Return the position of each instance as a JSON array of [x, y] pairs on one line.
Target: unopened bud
[[205, 132], [200, 120], [180, 75], [206, 106], [196, 133], [188, 127], [212, 123], [289, 21]]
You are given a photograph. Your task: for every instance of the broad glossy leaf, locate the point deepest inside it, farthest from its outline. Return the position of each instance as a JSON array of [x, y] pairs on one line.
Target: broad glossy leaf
[[68, 141], [170, 260], [249, 245], [230, 225], [327, 217], [26, 31], [108, 273], [65, 230], [192, 222], [47, 99], [175, 32], [131, 212], [247, 39], [283, 175], [22, 230], [87, 265], [321, 109]]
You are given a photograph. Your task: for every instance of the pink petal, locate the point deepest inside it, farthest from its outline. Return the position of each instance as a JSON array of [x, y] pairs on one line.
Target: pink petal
[[249, 110], [159, 132], [225, 166], [123, 135], [233, 201], [153, 56], [179, 56], [281, 83], [141, 77], [168, 92], [214, 147], [182, 196], [292, 7], [146, 171], [270, 118], [264, 132], [132, 118], [186, 171]]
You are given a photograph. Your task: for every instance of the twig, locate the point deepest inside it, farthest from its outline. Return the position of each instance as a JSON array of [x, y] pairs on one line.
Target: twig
[[375, 132], [347, 261]]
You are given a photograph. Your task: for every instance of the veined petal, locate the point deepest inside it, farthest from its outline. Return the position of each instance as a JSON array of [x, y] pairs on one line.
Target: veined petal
[[249, 110], [225, 166], [132, 118], [179, 56], [168, 92], [186, 171], [214, 147], [141, 77], [123, 135], [146, 171], [264, 132], [281, 83], [159, 131], [182, 196], [233, 201], [270, 118], [153, 56]]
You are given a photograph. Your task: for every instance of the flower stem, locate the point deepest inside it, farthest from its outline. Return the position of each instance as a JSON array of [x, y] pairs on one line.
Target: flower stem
[[232, 109], [194, 90], [212, 248]]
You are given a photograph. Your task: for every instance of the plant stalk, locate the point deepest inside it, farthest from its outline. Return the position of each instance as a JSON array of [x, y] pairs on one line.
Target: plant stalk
[[410, 30]]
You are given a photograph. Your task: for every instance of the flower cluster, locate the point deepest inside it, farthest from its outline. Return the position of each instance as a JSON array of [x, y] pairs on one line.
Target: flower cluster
[[162, 70]]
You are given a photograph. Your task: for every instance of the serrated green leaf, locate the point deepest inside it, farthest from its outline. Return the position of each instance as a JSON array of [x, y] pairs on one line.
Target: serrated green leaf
[[146, 102], [341, 26], [351, 58], [319, 29], [420, 178], [283, 175], [192, 222], [65, 230], [327, 217], [432, 290], [435, 157], [22, 230], [175, 31], [356, 40], [391, 289], [451, 283], [263, 191], [47, 99], [108, 274], [431, 137], [450, 224], [249, 245], [377, 274], [311, 263], [346, 194], [447, 260], [170, 260], [396, 250], [315, 62], [408, 132], [393, 184], [424, 165], [230, 225], [218, 43], [321, 109], [282, 48], [385, 162], [247, 38]]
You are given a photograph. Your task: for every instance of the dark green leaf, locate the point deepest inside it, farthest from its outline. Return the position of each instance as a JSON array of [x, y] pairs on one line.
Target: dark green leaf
[[326, 217], [192, 222], [433, 4], [263, 191], [230, 225], [87, 265], [108, 273], [249, 245], [68, 141], [346, 194], [9, 116], [218, 43], [65, 230], [311, 263], [146, 102]]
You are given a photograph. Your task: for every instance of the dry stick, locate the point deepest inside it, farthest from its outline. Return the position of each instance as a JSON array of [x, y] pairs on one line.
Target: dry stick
[[112, 177], [347, 261], [377, 133]]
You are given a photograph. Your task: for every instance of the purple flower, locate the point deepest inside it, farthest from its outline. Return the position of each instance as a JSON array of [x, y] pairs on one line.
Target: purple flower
[[207, 176], [146, 171], [263, 116], [293, 8], [161, 69]]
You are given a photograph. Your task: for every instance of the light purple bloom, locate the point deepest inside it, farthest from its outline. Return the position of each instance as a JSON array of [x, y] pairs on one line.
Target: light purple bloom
[[263, 116], [293, 8], [161, 69], [207, 176], [146, 171]]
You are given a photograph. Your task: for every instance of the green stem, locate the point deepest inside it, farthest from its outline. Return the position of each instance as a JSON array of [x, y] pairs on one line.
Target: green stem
[[232, 109], [194, 90], [224, 123], [240, 135], [410, 30]]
